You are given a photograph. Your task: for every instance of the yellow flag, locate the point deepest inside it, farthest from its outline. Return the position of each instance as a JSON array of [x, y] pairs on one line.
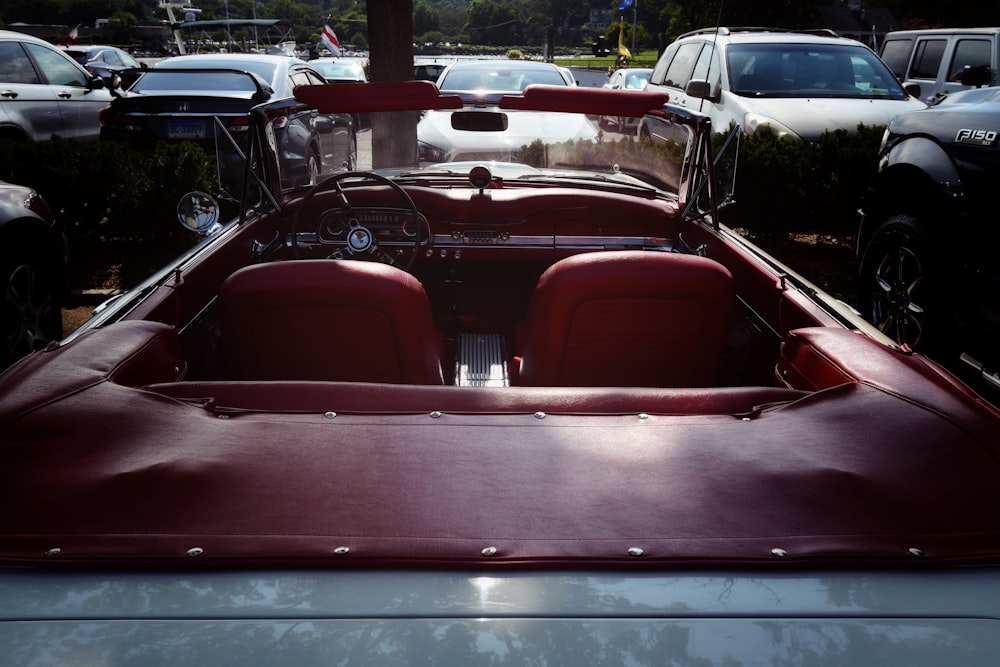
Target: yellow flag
[[622, 50]]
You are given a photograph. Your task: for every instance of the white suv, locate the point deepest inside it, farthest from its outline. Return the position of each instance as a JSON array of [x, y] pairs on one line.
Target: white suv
[[798, 84]]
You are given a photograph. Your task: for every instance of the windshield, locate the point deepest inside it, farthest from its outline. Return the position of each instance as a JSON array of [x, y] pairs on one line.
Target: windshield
[[334, 69], [810, 70], [517, 144], [159, 81], [504, 77], [265, 68]]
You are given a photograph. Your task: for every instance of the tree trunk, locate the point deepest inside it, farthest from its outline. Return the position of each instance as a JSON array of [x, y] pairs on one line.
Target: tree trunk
[[390, 42]]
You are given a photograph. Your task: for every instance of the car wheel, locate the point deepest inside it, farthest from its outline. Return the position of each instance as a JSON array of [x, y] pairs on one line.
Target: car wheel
[[352, 156], [30, 312], [312, 168], [897, 290]]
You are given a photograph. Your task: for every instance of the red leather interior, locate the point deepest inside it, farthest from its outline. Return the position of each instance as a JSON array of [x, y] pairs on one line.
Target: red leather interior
[[627, 318], [328, 320]]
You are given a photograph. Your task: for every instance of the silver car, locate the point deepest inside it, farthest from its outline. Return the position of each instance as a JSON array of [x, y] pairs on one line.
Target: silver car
[[108, 62], [44, 92], [189, 98]]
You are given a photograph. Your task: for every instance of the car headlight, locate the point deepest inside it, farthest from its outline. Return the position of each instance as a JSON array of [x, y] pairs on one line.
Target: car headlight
[[752, 122]]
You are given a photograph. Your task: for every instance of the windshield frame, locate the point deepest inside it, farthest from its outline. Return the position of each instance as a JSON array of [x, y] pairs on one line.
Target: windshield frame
[[263, 169]]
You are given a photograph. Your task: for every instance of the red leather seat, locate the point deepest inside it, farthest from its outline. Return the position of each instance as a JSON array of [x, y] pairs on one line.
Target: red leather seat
[[328, 320], [627, 318]]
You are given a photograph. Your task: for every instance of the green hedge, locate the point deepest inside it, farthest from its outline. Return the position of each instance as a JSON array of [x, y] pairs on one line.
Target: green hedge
[[785, 186], [103, 190]]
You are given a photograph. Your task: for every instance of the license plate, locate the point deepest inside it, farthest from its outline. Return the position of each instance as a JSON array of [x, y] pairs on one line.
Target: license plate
[[186, 129]]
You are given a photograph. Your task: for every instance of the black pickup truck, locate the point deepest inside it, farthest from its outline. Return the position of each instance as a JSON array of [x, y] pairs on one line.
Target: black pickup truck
[[930, 233]]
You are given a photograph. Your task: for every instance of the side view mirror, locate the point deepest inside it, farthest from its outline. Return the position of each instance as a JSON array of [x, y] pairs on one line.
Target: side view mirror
[[699, 88], [913, 89], [199, 212], [977, 76]]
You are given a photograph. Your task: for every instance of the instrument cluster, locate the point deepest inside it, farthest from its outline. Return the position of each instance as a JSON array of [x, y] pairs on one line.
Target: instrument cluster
[[387, 226]]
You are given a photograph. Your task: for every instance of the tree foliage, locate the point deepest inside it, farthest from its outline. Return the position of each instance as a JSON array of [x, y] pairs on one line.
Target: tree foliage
[[512, 22]]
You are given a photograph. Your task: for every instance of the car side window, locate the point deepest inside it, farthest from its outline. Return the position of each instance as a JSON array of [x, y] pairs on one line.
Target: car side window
[[299, 78], [111, 58], [896, 54], [127, 60], [14, 65], [660, 70], [969, 53], [679, 72], [927, 58], [58, 70], [707, 67]]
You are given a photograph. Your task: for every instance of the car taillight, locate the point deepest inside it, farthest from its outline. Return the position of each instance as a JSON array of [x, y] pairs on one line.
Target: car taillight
[[112, 119], [239, 124]]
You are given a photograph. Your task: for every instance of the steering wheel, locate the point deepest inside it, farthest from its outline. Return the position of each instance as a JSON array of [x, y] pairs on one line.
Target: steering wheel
[[360, 242]]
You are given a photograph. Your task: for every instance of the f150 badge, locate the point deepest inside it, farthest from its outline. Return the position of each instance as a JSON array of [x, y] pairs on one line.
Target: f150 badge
[[976, 137]]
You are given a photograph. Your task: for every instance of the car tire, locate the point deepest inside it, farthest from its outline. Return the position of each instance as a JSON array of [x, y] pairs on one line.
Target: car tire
[[30, 308], [352, 158], [313, 168], [899, 290]]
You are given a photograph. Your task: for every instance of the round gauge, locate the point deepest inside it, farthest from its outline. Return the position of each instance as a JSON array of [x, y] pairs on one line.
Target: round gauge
[[333, 225], [480, 176], [410, 227]]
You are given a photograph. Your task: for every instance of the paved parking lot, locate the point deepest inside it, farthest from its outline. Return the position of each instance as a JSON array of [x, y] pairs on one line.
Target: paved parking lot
[[365, 149]]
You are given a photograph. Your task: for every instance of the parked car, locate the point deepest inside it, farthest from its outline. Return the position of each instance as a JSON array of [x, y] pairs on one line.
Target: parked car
[[429, 69], [32, 273], [340, 71], [344, 71], [929, 269], [626, 78], [562, 417], [933, 63], [798, 85], [44, 92], [480, 130], [116, 66], [195, 97]]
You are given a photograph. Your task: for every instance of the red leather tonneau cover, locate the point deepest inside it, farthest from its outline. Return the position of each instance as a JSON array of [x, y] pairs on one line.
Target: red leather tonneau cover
[[99, 472]]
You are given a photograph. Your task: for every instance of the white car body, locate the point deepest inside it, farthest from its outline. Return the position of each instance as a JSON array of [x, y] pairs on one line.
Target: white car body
[[754, 78], [523, 127], [480, 84]]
